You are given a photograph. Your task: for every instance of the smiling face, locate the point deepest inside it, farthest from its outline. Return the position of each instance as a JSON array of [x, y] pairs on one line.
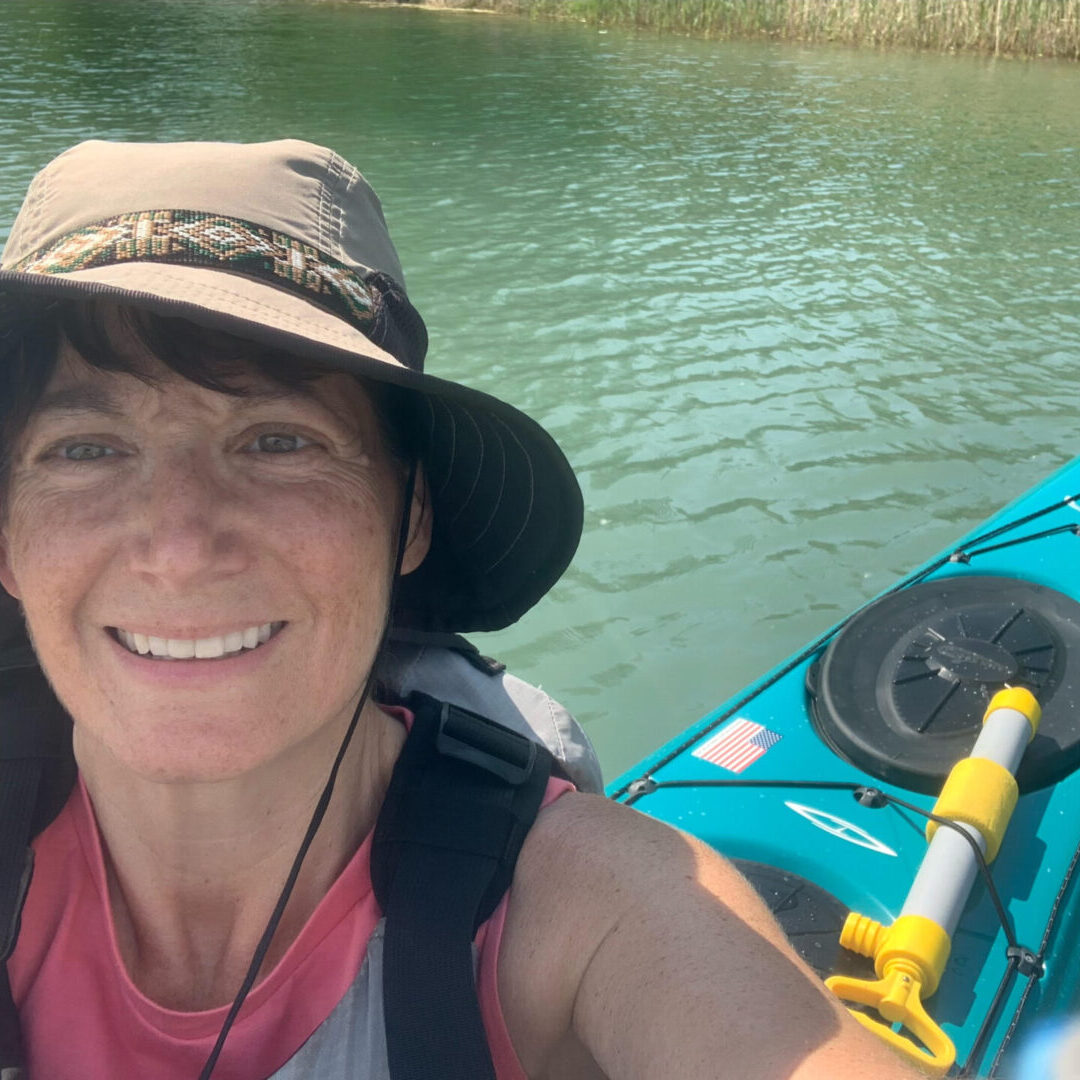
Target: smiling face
[[205, 576]]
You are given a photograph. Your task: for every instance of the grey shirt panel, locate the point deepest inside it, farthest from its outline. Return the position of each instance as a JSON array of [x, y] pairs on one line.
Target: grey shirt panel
[[351, 1041]]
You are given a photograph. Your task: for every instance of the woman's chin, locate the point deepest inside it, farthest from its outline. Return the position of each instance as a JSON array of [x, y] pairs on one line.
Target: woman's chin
[[197, 752]]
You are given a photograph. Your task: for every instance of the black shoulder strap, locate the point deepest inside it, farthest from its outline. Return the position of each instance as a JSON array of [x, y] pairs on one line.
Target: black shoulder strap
[[463, 795], [37, 771]]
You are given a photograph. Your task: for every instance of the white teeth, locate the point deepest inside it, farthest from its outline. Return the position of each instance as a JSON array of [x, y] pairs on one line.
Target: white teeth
[[209, 647], [199, 648]]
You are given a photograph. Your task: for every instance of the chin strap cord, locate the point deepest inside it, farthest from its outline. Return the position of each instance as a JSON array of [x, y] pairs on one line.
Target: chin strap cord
[[324, 800]]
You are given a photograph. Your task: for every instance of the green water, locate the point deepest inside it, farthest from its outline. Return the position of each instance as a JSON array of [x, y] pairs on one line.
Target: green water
[[798, 316]]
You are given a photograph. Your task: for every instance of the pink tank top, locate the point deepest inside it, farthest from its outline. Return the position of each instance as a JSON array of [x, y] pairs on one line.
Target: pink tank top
[[83, 1018]]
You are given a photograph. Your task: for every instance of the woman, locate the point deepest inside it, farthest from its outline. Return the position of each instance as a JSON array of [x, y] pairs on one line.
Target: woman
[[224, 469]]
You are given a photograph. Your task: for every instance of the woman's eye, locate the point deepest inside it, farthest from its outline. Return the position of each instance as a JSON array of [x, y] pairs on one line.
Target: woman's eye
[[279, 442], [84, 451]]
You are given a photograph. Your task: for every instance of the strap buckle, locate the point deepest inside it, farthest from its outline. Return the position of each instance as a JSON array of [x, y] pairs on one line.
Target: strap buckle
[[465, 736]]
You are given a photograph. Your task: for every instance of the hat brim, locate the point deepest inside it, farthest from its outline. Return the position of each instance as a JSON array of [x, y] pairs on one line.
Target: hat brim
[[507, 508]]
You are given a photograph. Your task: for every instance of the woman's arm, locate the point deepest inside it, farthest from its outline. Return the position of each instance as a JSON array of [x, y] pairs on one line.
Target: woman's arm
[[635, 951]]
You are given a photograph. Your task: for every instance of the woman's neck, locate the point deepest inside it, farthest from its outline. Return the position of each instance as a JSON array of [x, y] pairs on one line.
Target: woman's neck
[[195, 869]]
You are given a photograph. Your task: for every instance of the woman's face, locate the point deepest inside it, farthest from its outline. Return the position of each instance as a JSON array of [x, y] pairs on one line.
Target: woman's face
[[249, 538]]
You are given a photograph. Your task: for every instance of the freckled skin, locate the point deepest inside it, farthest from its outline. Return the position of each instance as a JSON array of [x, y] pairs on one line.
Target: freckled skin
[[181, 522]]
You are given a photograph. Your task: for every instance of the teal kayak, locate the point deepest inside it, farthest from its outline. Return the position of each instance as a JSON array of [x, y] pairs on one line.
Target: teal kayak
[[820, 780]]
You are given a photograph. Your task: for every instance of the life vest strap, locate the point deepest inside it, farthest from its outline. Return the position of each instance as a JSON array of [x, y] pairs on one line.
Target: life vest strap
[[461, 800]]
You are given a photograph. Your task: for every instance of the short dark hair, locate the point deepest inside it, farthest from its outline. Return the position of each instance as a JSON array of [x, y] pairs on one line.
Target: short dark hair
[[29, 351]]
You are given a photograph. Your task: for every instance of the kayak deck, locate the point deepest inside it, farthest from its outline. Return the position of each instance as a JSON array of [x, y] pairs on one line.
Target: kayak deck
[[757, 780]]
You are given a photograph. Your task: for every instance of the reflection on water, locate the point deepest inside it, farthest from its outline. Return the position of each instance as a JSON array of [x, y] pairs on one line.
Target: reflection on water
[[798, 316]]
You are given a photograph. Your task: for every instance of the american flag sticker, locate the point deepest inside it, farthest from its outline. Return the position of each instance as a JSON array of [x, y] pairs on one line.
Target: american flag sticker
[[737, 745]]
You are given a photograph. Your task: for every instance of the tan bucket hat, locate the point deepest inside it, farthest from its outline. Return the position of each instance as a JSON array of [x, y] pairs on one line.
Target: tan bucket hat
[[284, 243]]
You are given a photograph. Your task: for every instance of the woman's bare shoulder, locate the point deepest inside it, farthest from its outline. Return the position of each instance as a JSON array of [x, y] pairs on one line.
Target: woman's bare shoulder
[[609, 858]]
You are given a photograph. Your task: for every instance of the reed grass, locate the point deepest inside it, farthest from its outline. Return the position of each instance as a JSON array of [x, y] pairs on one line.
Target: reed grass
[[1048, 28]]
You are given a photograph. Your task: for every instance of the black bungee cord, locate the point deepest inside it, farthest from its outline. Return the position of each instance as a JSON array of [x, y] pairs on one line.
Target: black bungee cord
[[324, 799], [1022, 964]]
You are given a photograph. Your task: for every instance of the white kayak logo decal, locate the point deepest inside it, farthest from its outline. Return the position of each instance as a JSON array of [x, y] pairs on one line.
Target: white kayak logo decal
[[837, 826]]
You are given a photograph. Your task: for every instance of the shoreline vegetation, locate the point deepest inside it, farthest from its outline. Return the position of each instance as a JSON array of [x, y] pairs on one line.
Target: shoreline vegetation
[[1020, 28]]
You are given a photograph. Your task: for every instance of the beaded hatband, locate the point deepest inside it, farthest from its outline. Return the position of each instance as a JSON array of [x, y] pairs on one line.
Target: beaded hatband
[[195, 238]]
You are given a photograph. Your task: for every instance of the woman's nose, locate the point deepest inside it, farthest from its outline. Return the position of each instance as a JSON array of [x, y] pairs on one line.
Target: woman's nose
[[187, 529]]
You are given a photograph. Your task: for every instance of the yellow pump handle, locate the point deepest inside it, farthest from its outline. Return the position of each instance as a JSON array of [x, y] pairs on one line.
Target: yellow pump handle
[[898, 998], [909, 958]]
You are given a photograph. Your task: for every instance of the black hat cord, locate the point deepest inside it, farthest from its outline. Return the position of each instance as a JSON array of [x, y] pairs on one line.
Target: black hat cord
[[324, 799]]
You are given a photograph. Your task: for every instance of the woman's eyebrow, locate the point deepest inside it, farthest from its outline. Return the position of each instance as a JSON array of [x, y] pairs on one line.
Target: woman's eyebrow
[[81, 398], [93, 399], [90, 397]]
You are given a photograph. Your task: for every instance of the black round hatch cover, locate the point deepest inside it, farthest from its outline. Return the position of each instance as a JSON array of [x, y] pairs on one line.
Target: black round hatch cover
[[901, 690], [811, 917]]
